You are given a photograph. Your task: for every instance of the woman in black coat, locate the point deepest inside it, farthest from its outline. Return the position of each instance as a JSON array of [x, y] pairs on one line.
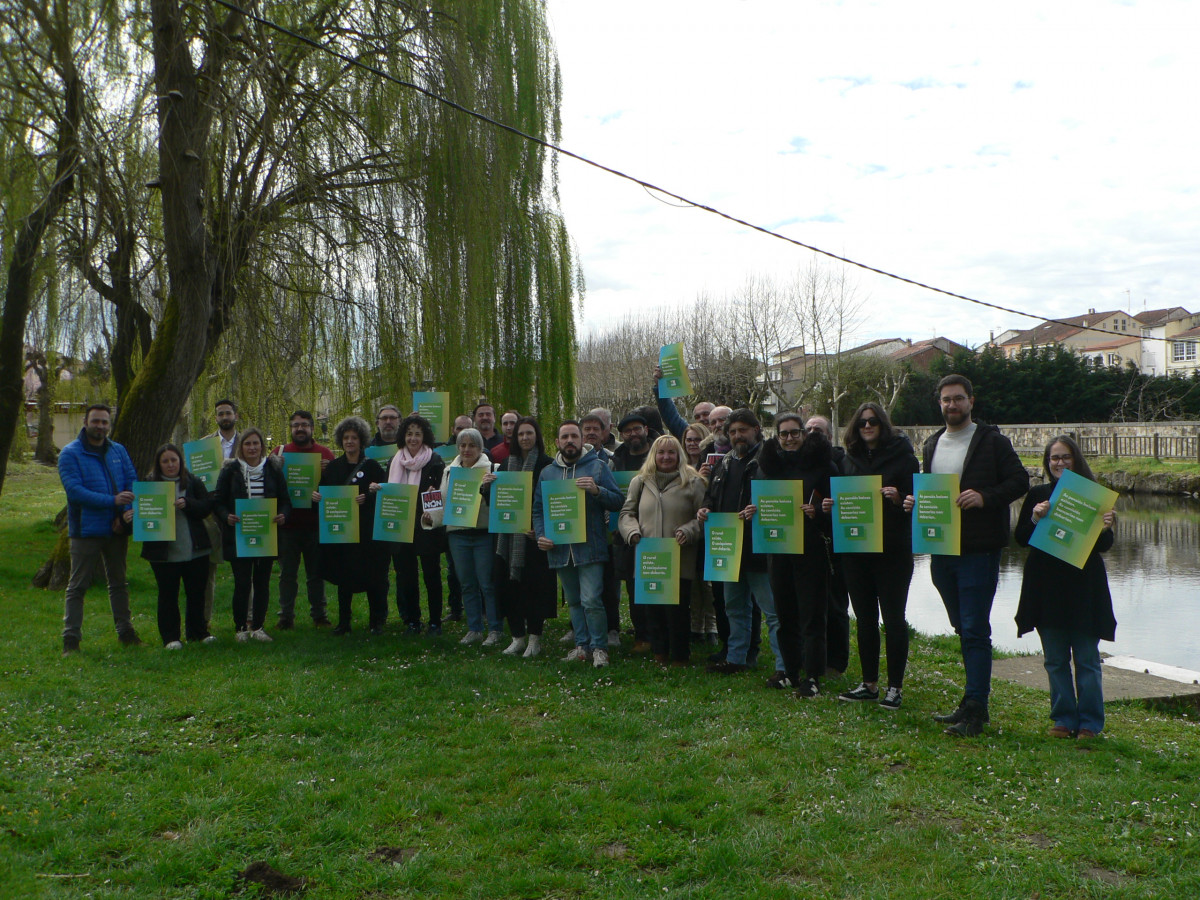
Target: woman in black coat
[[416, 463], [249, 474], [184, 560], [878, 582], [360, 567], [1070, 608]]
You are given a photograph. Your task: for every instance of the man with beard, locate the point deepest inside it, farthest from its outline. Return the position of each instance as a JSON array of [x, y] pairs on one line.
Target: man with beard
[[837, 621], [493, 441], [98, 477], [630, 454], [581, 566], [299, 538], [595, 429], [716, 424], [387, 426], [729, 491], [991, 477], [227, 433]]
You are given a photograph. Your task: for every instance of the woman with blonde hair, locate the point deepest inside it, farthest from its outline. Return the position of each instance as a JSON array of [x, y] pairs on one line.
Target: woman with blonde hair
[[662, 503]]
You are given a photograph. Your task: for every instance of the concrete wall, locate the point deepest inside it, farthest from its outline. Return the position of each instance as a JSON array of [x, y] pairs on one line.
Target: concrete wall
[[1173, 440]]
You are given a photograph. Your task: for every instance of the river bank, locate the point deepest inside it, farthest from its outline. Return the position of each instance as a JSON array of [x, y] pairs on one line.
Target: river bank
[[1136, 476]]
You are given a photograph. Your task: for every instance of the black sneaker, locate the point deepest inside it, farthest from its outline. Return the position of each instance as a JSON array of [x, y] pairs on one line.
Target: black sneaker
[[340, 630], [891, 698], [70, 645], [321, 622], [413, 628], [725, 667], [859, 694], [285, 624], [970, 723], [808, 689], [434, 630], [781, 680], [955, 717], [130, 639]]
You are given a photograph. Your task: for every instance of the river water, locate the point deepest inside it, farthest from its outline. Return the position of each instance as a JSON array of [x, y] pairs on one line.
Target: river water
[[1153, 573]]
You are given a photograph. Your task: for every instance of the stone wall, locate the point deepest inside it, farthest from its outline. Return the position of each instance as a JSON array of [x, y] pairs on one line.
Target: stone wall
[[1171, 440]]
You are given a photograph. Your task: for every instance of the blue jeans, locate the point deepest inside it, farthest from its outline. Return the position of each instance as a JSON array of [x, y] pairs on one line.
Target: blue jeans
[[473, 554], [740, 612], [584, 588], [1074, 702], [967, 584]]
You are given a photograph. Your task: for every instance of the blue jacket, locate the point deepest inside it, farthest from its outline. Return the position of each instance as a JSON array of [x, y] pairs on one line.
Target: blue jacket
[[595, 549], [92, 478]]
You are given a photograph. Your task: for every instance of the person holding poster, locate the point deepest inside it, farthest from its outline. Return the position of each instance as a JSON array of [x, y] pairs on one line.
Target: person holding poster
[[878, 582], [580, 566], [800, 581], [249, 475], [361, 567], [631, 454], [471, 546], [299, 538], [991, 477], [704, 614], [1071, 608], [184, 560], [527, 588], [226, 414], [662, 503], [416, 463]]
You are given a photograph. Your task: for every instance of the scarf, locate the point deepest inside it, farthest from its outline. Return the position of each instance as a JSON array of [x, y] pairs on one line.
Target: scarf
[[511, 547], [253, 477], [406, 468]]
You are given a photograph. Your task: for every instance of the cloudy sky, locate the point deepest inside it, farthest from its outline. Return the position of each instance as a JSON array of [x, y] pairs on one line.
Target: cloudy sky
[[1040, 156]]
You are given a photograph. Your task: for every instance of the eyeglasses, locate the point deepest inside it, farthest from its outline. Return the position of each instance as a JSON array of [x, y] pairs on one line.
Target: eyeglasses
[[1062, 459], [791, 434], [950, 401], [872, 422]]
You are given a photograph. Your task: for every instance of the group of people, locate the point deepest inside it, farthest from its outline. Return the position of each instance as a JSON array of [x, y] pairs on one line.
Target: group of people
[[678, 473]]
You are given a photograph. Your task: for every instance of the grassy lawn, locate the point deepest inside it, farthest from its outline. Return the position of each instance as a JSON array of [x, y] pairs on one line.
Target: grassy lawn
[[409, 767]]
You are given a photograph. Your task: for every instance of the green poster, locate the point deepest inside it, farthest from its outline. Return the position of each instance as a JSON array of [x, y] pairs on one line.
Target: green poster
[[337, 517], [462, 504], [1075, 520], [204, 459], [511, 508], [936, 518], [622, 479], [446, 452], [302, 471], [434, 406], [724, 534], [778, 526], [563, 508], [857, 514], [657, 572], [381, 453], [256, 534], [154, 510], [396, 512], [675, 381]]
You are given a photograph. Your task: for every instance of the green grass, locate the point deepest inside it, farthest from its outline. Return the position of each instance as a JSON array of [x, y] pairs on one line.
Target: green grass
[[156, 774], [1133, 465]]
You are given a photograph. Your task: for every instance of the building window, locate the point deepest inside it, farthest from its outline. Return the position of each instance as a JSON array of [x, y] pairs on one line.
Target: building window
[[1183, 351]]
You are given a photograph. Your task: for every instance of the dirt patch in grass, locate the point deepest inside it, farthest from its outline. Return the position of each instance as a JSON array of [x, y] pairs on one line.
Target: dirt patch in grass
[[1041, 841], [397, 856], [272, 880], [1108, 876], [616, 850]]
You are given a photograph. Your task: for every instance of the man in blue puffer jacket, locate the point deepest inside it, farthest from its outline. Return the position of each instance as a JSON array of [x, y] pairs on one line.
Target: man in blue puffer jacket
[[98, 477]]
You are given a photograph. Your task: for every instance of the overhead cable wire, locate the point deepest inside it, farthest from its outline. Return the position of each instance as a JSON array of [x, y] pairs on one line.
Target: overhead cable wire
[[648, 185]]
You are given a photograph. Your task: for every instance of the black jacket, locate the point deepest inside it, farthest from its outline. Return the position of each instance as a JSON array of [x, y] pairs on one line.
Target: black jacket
[[231, 486], [1055, 593], [992, 468], [812, 464], [729, 491], [196, 510], [896, 463]]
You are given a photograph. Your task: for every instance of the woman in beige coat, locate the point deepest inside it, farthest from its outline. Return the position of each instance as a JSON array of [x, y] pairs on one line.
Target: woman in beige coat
[[662, 503]]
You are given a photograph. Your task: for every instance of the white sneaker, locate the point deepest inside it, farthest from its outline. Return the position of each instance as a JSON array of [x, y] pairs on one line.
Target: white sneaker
[[261, 635], [534, 647], [614, 638], [173, 645], [493, 638], [579, 654], [515, 647], [568, 638], [472, 637], [599, 658], [242, 636], [211, 639]]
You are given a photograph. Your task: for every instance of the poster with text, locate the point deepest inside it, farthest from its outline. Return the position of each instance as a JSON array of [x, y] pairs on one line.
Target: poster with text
[[434, 406], [256, 534], [675, 381], [337, 517], [463, 500], [563, 511], [1076, 518], [778, 526], [657, 572], [511, 509], [204, 459], [302, 471], [154, 510], [396, 512], [622, 479], [857, 514], [724, 534], [936, 518], [382, 453]]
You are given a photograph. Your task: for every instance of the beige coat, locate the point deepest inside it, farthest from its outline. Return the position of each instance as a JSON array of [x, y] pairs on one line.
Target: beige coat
[[649, 512], [436, 515]]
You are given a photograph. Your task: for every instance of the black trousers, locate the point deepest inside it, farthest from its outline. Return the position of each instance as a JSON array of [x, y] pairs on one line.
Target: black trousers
[[799, 583], [252, 573], [193, 575], [878, 585], [408, 593], [671, 626]]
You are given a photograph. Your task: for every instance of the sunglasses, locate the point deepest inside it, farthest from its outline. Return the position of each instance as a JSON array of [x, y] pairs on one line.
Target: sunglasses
[[872, 422], [791, 434]]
